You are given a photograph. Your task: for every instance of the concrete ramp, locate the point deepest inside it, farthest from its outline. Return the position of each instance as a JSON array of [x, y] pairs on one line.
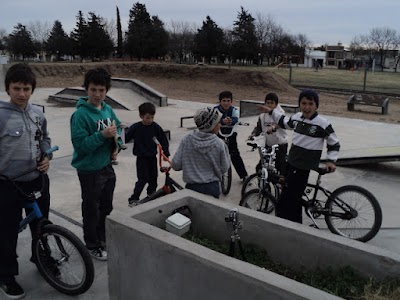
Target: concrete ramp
[[126, 97], [124, 93], [369, 155]]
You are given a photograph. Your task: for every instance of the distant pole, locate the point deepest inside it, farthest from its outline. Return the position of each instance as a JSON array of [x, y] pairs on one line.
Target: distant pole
[[290, 73], [365, 77]]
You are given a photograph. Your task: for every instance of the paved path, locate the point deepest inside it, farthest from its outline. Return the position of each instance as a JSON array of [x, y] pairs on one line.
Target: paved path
[[382, 179]]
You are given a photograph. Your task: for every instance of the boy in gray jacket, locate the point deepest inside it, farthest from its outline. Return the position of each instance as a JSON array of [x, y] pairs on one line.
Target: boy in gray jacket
[[202, 156]]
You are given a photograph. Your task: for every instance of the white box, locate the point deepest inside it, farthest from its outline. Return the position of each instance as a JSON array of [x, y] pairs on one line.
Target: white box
[[177, 224]]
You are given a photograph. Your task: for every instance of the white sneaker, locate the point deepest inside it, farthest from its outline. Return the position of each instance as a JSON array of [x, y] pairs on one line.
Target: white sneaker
[[98, 253]]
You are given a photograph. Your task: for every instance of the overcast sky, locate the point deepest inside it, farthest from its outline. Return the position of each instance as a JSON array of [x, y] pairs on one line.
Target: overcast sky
[[321, 20]]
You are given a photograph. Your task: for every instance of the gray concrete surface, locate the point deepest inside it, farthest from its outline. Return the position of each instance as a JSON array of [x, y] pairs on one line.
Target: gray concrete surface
[[180, 269], [382, 179]]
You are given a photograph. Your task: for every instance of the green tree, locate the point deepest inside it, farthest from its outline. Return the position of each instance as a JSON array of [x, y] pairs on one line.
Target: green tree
[[99, 43], [119, 35], [58, 42], [139, 32], [208, 42], [245, 45], [79, 37], [159, 39], [20, 42]]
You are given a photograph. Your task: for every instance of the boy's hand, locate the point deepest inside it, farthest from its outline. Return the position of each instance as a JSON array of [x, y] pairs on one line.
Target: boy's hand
[[114, 155], [330, 166], [227, 121], [43, 166], [110, 131], [263, 108]]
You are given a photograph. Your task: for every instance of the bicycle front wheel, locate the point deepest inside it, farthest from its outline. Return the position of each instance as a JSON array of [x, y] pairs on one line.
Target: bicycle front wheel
[[226, 182], [353, 213], [260, 201], [63, 260], [253, 182]]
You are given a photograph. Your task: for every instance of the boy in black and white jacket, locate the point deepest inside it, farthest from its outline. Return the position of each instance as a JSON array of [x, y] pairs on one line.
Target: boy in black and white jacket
[[310, 133]]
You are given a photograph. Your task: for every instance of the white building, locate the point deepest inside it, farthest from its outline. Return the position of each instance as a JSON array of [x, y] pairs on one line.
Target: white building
[[313, 57]]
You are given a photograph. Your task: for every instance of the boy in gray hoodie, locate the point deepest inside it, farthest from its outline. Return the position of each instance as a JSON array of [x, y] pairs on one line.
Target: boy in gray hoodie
[[202, 156]]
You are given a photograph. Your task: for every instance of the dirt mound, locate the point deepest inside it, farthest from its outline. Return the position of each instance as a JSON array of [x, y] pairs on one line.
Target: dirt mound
[[66, 73], [204, 83]]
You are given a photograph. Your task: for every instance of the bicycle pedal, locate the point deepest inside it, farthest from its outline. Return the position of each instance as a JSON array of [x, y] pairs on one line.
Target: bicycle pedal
[[314, 226]]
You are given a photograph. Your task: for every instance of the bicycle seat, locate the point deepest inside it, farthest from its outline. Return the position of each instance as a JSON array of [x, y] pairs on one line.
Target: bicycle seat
[[322, 171]]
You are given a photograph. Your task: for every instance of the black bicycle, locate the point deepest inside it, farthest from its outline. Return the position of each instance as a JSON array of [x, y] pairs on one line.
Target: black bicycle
[[350, 211], [226, 180], [170, 185], [60, 256]]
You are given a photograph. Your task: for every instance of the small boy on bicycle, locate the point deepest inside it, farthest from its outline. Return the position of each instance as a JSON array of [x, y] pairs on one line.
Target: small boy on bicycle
[[202, 156], [310, 133], [145, 149], [276, 134], [230, 116]]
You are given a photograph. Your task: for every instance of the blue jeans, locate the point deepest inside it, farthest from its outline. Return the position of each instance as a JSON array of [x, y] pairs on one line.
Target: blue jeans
[[210, 188]]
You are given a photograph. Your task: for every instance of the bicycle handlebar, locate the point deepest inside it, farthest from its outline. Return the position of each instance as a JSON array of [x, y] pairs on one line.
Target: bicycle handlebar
[[227, 135], [162, 156]]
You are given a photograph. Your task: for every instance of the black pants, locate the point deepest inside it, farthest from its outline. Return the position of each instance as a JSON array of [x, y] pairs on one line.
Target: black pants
[[147, 172], [289, 205], [280, 160], [11, 204], [235, 156], [97, 197], [210, 188]]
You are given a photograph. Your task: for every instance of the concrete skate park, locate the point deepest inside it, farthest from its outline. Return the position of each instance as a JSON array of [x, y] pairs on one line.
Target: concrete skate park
[[359, 139]]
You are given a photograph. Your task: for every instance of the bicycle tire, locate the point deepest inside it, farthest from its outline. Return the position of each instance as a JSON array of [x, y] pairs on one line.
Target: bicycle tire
[[253, 182], [226, 182], [264, 201], [352, 196], [60, 251]]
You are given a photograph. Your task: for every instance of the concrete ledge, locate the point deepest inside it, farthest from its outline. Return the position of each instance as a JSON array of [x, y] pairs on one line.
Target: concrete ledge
[[248, 108], [140, 249], [70, 96], [142, 89]]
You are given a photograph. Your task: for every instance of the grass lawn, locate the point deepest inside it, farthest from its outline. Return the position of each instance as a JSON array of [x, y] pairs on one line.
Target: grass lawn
[[384, 82]]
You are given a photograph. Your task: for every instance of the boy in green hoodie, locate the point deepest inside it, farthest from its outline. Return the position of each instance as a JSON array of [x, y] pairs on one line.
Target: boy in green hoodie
[[93, 129]]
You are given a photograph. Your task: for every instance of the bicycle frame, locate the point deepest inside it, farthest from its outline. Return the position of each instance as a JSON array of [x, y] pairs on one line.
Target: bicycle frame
[[170, 185], [311, 204]]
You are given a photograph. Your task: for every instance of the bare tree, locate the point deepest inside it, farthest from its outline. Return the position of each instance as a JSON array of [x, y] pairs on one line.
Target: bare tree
[[40, 31], [181, 38], [384, 39], [110, 26], [3, 36]]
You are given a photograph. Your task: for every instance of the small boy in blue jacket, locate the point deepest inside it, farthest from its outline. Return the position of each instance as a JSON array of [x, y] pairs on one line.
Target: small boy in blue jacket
[[145, 149]]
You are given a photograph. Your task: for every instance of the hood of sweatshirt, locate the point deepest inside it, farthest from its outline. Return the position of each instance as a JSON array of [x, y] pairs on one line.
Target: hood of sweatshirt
[[203, 141]]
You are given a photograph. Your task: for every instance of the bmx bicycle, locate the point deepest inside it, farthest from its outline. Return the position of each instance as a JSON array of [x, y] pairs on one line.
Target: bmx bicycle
[[267, 177], [170, 185], [350, 211], [60, 256], [226, 180]]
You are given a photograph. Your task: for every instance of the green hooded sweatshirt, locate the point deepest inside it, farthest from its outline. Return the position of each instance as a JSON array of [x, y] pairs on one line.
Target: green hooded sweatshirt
[[92, 151]]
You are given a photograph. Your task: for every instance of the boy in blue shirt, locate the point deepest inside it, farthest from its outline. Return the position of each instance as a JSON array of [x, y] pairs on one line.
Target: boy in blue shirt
[[145, 149], [230, 116]]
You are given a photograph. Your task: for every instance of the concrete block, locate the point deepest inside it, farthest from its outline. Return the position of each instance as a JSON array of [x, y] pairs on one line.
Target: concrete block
[[147, 262]]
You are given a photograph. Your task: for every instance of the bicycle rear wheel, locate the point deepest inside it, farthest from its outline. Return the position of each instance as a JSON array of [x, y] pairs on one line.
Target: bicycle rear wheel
[[260, 201], [353, 213], [63, 260], [226, 181]]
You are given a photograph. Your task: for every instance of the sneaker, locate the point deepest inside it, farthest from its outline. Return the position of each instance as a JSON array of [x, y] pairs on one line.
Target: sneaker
[[98, 253], [49, 262], [124, 147], [132, 201], [12, 290]]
